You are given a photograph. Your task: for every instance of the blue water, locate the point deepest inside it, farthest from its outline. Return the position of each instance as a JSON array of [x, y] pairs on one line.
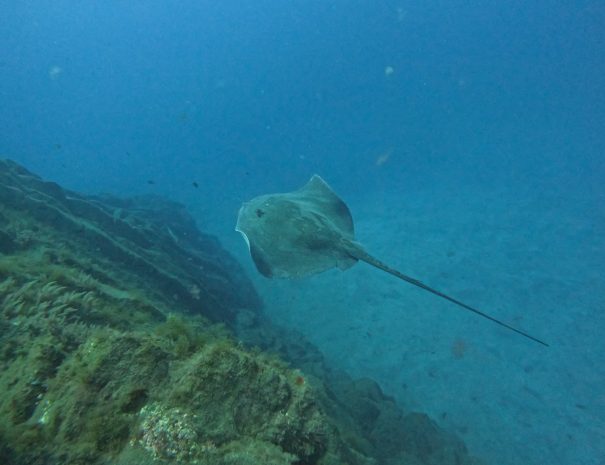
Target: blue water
[[467, 137]]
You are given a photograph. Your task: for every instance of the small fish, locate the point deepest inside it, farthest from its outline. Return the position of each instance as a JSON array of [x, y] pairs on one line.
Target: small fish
[[150, 181], [195, 184]]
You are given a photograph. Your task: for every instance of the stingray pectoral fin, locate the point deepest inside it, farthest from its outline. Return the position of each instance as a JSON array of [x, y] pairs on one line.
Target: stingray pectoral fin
[[361, 254], [261, 262]]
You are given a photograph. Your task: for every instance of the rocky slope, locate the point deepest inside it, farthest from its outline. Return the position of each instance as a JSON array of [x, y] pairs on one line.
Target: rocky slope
[[127, 336]]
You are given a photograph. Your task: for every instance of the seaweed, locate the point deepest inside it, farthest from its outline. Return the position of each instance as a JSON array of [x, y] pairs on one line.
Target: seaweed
[[128, 337]]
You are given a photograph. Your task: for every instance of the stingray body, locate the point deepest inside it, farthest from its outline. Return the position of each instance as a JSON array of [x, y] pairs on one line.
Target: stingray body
[[310, 230]]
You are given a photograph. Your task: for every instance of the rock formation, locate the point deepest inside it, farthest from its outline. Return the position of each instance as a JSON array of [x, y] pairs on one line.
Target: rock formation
[[127, 336]]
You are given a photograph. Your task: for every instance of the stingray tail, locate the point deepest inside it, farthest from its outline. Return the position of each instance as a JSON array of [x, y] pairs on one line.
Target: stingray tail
[[378, 264]]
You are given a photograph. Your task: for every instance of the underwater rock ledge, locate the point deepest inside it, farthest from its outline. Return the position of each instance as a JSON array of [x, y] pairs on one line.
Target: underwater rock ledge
[[147, 239], [127, 336]]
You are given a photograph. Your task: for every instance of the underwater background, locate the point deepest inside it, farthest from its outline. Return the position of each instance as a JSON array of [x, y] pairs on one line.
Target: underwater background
[[467, 138]]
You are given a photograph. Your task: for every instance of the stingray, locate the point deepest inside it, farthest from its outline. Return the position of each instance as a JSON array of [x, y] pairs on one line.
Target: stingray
[[310, 230]]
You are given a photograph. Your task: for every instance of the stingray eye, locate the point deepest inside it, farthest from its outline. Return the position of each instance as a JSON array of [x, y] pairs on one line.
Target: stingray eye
[[259, 212]]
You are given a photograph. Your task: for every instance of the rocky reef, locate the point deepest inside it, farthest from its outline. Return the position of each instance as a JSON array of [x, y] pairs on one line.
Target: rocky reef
[[127, 336]]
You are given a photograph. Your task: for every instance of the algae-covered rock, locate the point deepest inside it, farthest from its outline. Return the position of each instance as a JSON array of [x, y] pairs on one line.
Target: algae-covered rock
[[120, 395], [123, 391], [146, 244], [128, 337]]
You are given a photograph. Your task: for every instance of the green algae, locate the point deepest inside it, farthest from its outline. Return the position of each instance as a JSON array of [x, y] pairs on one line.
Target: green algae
[[127, 337], [196, 408], [89, 393]]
